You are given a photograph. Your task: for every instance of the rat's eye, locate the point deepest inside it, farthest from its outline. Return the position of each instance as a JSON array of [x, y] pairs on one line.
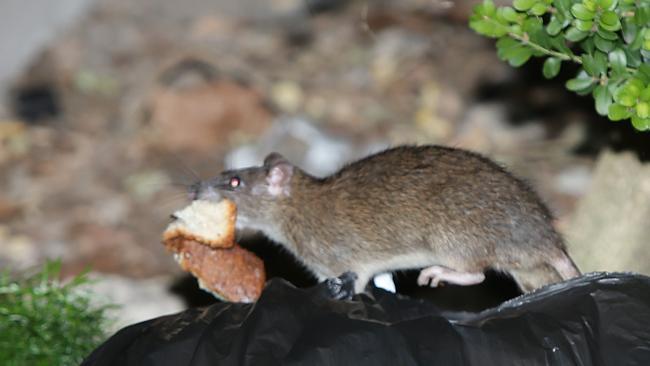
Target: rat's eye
[[234, 182]]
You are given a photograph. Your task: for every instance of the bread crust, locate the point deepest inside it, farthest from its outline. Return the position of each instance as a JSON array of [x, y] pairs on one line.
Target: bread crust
[[231, 274], [174, 230], [222, 267]]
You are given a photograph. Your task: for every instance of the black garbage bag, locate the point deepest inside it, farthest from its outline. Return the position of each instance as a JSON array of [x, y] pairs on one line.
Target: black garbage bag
[[597, 319]]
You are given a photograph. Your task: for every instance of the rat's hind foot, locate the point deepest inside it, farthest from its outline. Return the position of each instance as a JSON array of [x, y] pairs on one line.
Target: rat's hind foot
[[341, 287], [433, 275]]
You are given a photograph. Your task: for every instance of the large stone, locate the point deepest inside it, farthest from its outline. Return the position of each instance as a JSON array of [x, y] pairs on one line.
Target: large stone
[[610, 229]]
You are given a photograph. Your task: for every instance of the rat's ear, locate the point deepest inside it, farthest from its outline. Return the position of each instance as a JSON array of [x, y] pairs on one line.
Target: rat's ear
[[273, 159], [279, 174]]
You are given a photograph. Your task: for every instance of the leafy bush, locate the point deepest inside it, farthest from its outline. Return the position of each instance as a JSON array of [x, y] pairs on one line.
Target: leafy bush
[[609, 39], [45, 322]]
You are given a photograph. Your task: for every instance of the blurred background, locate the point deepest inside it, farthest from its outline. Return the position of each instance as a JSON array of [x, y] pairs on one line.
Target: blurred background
[[108, 108]]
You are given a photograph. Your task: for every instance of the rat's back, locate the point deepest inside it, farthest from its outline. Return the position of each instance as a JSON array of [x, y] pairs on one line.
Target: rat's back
[[452, 206], [434, 180]]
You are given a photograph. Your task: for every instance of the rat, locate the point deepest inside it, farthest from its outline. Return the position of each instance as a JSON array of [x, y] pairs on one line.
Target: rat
[[450, 212]]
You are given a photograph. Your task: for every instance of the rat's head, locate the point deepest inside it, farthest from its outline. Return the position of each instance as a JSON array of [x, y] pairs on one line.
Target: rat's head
[[256, 191]]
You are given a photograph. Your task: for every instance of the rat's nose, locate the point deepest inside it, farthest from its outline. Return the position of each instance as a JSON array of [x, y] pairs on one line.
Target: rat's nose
[[194, 190], [203, 191]]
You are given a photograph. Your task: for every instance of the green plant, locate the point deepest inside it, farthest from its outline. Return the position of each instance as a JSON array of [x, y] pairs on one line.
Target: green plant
[[609, 39], [46, 322]]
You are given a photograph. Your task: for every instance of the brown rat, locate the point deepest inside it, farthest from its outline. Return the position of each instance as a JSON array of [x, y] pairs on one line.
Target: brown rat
[[450, 211]]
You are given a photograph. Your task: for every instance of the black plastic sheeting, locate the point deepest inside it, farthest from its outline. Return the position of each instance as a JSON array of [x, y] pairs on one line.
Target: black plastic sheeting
[[597, 319]]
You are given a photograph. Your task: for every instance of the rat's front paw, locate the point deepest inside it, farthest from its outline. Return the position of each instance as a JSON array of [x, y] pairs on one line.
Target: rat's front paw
[[341, 287], [434, 275]]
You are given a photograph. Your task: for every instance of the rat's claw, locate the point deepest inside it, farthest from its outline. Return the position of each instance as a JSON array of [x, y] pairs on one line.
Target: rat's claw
[[342, 287], [438, 275], [430, 276], [423, 280]]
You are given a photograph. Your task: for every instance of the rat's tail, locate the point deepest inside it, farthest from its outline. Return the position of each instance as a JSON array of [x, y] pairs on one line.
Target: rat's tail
[[557, 269], [565, 266]]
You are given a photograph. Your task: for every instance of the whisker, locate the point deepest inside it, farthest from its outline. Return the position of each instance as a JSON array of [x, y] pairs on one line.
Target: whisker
[[184, 186], [174, 197], [166, 206], [193, 173]]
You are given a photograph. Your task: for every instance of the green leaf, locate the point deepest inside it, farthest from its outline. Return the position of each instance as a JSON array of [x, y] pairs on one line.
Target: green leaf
[[554, 26], [601, 62], [563, 6], [634, 87], [643, 110], [581, 12], [642, 15], [603, 99], [633, 58], [575, 35], [489, 9], [603, 44], [591, 5], [618, 61], [538, 9], [560, 45], [610, 36], [609, 21], [588, 45], [523, 5], [618, 112], [518, 56], [608, 4], [630, 31], [482, 27], [624, 98], [637, 42], [488, 28], [581, 82], [644, 70], [645, 94], [589, 65], [533, 24], [508, 14], [594, 65], [641, 124], [486, 8], [516, 29], [551, 67], [584, 25], [504, 44]]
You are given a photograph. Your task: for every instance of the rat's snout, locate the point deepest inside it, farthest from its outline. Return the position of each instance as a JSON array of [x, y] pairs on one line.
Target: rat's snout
[[203, 190], [193, 190]]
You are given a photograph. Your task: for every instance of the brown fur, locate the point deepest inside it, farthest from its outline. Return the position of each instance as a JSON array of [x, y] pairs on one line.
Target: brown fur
[[406, 207]]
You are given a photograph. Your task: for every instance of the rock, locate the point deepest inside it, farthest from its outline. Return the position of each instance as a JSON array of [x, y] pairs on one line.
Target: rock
[[113, 249], [392, 49], [485, 128], [14, 140], [145, 185], [287, 95], [17, 251], [436, 109], [304, 145], [203, 116], [9, 208], [609, 230], [136, 300], [573, 180]]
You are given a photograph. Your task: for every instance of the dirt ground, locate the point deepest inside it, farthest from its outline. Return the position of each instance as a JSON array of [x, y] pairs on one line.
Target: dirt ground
[[109, 122]]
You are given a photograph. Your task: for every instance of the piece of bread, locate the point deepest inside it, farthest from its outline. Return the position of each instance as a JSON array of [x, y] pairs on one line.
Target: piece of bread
[[210, 254], [231, 274], [208, 222]]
